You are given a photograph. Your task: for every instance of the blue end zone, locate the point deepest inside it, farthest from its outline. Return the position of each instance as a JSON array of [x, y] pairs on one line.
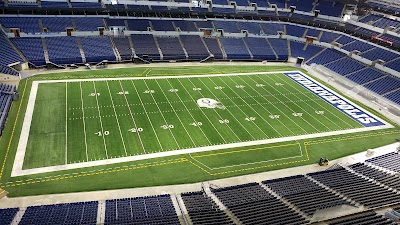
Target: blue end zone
[[338, 102]]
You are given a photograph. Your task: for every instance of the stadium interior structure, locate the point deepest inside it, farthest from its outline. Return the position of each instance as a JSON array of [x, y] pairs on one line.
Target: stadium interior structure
[[356, 44]]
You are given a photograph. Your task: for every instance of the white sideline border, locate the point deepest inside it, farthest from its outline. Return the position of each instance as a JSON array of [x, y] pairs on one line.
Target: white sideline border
[[23, 141]]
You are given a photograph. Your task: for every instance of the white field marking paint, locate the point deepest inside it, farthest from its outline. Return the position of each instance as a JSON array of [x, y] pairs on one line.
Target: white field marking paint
[[282, 113], [21, 172], [116, 118], [201, 110], [190, 155], [216, 111], [162, 115], [147, 115], [227, 109], [21, 149], [314, 102], [184, 127], [84, 123], [101, 121], [243, 89], [184, 105], [299, 107], [239, 110], [262, 105], [66, 123]]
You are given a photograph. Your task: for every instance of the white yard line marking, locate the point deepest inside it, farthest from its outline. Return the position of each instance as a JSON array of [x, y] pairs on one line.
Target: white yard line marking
[[101, 121], [233, 116], [315, 101], [116, 118], [262, 105], [162, 115], [216, 111], [186, 109], [147, 115], [21, 150], [66, 123], [200, 110], [299, 107], [184, 127], [266, 136], [133, 119], [84, 123], [255, 82]]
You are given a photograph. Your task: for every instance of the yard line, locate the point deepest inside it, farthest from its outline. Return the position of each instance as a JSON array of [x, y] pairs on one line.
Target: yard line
[[116, 117], [316, 101], [84, 123], [244, 128], [147, 115], [299, 107], [101, 121], [216, 111], [268, 102], [133, 119], [247, 106], [184, 105], [184, 127], [162, 115], [66, 122], [200, 110], [255, 82], [250, 106]]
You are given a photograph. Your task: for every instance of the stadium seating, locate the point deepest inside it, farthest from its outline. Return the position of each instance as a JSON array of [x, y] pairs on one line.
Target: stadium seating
[[213, 47], [138, 25], [25, 24], [227, 26], [145, 46], [85, 5], [97, 49], [297, 50], [124, 47], [7, 215], [328, 37], [357, 188], [171, 48], [141, 210], [384, 85], [394, 96], [252, 28], [326, 56], [32, 48], [252, 204], [389, 161], [162, 25], [56, 24], [294, 30], [194, 47], [305, 194], [344, 66], [185, 25], [272, 28], [70, 213], [365, 75], [280, 47], [260, 49], [235, 48], [54, 4], [63, 50], [88, 23], [378, 175], [379, 53], [202, 210], [8, 55]]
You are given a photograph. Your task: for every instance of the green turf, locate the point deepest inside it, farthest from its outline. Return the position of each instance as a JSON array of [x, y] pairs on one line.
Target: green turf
[[166, 171], [93, 120]]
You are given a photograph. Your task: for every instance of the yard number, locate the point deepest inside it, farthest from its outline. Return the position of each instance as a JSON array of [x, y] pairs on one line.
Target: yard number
[[196, 89], [149, 92], [224, 121], [173, 90], [319, 112], [168, 126], [196, 124], [218, 88], [123, 93], [94, 94], [250, 118], [105, 133], [260, 85], [274, 116], [297, 114], [239, 86], [278, 84], [134, 130]]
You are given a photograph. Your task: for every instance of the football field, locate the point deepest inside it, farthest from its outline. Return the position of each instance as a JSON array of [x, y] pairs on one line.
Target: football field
[[88, 122]]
